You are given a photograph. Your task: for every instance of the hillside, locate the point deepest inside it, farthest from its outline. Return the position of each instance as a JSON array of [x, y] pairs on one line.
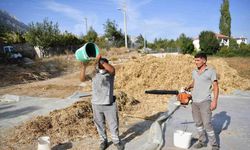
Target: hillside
[[10, 23]]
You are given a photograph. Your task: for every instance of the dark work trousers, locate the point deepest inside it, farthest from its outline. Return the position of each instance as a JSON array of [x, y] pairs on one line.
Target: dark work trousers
[[110, 114], [202, 116]]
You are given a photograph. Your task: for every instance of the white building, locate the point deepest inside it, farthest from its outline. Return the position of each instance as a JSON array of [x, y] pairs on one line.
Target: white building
[[224, 40], [241, 40], [196, 43]]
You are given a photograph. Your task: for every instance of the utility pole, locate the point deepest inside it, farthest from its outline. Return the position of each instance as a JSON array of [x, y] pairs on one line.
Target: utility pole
[[86, 23], [124, 10]]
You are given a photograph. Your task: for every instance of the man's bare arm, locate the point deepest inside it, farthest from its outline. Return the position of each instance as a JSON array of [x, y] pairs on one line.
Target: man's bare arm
[[216, 90], [82, 72], [216, 95]]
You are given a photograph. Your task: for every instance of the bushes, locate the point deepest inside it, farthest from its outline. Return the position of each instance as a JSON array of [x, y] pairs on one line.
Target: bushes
[[228, 52]]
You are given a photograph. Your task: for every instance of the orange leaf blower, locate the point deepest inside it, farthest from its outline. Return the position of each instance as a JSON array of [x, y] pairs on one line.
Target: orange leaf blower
[[184, 96]]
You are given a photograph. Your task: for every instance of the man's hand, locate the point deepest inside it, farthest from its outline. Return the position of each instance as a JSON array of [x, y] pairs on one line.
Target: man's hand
[[83, 64], [186, 88], [98, 57], [213, 105]]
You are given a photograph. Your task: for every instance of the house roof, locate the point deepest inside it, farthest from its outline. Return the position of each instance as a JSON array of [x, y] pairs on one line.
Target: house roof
[[240, 38], [221, 36], [196, 38]]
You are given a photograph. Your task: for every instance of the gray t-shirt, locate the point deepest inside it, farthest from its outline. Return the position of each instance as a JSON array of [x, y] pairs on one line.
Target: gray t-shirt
[[203, 84], [102, 89]]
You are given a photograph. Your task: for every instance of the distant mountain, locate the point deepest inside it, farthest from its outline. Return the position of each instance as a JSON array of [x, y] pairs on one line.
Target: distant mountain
[[10, 23]]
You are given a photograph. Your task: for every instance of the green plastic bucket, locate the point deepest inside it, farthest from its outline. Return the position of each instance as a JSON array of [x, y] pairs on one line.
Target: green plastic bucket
[[87, 51]]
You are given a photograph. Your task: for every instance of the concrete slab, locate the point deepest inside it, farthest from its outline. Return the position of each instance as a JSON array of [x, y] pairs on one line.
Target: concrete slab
[[231, 122], [14, 112]]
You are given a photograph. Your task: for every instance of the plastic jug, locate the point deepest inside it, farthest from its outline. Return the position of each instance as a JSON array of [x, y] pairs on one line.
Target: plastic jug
[[44, 143], [87, 51]]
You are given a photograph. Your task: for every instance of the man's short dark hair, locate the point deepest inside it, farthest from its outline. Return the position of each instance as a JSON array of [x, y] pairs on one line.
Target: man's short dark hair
[[105, 60], [201, 55]]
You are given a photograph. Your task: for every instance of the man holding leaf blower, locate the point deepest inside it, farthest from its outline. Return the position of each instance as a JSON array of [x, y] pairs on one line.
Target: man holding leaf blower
[[103, 102], [204, 78]]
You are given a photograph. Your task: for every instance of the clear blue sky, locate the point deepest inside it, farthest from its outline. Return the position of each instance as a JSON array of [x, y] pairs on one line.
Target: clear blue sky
[[154, 18]]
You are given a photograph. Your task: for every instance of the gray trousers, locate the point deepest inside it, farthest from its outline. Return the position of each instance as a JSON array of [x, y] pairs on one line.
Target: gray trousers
[[110, 114], [202, 116]]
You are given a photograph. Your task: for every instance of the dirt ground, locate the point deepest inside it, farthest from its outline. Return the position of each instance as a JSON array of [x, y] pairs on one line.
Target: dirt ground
[[241, 65], [134, 74]]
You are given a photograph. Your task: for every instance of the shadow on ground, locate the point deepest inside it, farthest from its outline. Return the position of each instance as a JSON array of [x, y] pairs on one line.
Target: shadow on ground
[[220, 121], [139, 128], [63, 146]]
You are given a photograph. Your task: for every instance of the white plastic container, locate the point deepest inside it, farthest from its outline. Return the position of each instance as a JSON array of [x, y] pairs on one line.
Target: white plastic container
[[182, 139], [44, 143]]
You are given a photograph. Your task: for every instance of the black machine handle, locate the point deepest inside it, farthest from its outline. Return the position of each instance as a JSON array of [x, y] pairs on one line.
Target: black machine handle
[[162, 92]]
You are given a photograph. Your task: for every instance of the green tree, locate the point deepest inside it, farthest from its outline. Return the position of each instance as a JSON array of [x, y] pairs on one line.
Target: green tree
[[225, 19], [3, 31], [91, 35], [9, 35], [13, 38], [233, 45], [140, 41], [180, 40], [160, 43], [43, 35], [164, 44], [102, 42], [185, 44], [114, 36], [171, 44], [151, 45], [208, 42], [68, 39]]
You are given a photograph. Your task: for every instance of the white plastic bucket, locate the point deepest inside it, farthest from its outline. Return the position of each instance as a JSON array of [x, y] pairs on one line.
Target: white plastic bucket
[[182, 139], [43, 143]]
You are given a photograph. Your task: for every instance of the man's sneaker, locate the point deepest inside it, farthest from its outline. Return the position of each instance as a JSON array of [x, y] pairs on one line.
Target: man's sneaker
[[103, 145], [119, 146], [200, 145], [215, 147]]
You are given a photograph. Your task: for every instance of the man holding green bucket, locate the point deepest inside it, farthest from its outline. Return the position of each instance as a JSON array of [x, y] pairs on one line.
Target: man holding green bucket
[[103, 101]]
